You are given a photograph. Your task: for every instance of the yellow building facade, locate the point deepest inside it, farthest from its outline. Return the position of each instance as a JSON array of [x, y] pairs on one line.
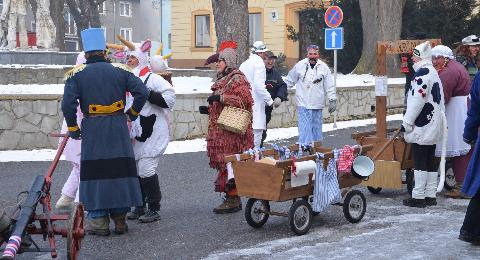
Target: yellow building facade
[[193, 31]]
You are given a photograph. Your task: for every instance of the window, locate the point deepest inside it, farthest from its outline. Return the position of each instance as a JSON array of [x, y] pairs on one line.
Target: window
[[71, 45], [101, 8], [1, 5], [70, 26], [202, 31], [255, 27], [125, 9], [33, 26], [126, 33]]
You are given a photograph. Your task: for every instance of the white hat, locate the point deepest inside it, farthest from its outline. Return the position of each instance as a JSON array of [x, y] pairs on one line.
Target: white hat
[[471, 40], [423, 51], [442, 51], [259, 46]]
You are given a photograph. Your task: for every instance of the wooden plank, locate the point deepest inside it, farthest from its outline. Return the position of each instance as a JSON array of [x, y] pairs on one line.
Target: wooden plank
[[348, 180], [405, 46], [387, 174], [377, 143], [258, 180], [381, 59], [362, 134], [381, 116]]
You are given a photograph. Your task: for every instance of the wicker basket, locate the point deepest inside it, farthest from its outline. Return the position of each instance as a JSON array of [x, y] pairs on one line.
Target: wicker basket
[[234, 119]]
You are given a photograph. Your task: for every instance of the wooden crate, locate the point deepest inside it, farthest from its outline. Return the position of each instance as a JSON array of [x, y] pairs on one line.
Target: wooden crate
[[272, 182], [387, 174]]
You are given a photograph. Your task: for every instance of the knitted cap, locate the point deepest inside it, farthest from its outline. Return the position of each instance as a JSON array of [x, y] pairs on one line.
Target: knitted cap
[[442, 51], [423, 51]]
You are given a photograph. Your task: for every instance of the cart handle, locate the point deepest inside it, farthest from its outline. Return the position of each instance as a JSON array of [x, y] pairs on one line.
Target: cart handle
[[286, 163], [386, 144], [60, 149]]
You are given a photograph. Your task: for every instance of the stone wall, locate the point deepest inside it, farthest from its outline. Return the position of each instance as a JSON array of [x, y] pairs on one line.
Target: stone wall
[[25, 120], [31, 74]]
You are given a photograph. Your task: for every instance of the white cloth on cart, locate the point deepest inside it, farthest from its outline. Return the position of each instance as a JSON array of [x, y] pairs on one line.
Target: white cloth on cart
[[326, 190]]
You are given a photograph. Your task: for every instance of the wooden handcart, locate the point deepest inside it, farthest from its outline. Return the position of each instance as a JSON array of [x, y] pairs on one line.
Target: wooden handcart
[[391, 154], [263, 183]]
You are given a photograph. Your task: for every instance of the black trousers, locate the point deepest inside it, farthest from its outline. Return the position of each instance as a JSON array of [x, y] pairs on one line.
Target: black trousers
[[471, 223], [268, 117], [424, 158]]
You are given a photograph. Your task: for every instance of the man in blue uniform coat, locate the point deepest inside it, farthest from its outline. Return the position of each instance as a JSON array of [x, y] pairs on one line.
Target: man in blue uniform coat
[[109, 184]]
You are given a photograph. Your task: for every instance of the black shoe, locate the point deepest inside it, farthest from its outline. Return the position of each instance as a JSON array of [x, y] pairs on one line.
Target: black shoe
[[430, 201], [467, 237], [136, 213], [150, 216], [417, 203]]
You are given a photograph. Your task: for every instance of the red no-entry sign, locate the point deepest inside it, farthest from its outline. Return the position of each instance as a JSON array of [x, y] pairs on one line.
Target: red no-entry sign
[[333, 16]]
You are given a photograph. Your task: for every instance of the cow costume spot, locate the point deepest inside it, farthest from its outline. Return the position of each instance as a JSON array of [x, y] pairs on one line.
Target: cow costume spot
[[437, 96], [425, 115], [422, 72]]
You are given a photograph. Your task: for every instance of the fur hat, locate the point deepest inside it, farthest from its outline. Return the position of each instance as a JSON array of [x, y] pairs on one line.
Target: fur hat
[[442, 51], [228, 52], [471, 40], [423, 51]]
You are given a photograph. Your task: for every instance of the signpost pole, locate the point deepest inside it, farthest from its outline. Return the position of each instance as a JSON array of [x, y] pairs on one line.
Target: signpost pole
[[335, 84]]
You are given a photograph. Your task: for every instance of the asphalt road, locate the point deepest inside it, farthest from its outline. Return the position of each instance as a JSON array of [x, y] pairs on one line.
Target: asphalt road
[[189, 230]]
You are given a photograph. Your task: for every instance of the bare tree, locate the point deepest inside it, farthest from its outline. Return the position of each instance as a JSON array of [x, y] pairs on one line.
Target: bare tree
[[381, 20], [56, 11], [85, 13], [231, 23]]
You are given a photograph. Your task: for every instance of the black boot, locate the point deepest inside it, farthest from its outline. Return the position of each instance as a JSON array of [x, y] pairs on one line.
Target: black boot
[[153, 197], [417, 203], [137, 212], [430, 201]]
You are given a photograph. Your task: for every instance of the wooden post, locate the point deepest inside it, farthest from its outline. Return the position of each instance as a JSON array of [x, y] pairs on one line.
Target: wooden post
[[381, 101]]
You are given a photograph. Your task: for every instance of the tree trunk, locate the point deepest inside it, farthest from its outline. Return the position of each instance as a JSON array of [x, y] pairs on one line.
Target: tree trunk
[[56, 11], [381, 20], [33, 4], [232, 25], [85, 14]]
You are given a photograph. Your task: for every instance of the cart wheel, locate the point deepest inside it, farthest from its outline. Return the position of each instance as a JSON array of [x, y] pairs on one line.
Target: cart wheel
[[374, 190], [410, 178], [75, 231], [354, 206], [255, 212], [449, 176], [300, 217]]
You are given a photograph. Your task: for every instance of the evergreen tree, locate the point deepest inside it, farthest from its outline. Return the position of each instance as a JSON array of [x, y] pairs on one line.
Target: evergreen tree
[[449, 20]]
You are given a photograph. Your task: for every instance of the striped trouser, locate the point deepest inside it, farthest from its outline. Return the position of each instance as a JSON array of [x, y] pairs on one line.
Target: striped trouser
[[326, 189], [309, 125]]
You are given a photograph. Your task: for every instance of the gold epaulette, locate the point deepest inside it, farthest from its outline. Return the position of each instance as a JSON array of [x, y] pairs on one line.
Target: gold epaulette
[[122, 66], [73, 71]]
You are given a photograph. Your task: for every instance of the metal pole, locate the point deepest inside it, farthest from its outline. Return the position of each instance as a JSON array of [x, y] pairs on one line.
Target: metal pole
[[114, 23], [335, 84]]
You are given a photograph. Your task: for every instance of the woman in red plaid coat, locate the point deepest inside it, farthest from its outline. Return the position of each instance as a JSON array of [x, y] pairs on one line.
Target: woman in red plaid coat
[[230, 89]]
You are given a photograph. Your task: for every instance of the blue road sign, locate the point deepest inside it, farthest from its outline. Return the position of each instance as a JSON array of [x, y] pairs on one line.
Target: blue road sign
[[334, 38]]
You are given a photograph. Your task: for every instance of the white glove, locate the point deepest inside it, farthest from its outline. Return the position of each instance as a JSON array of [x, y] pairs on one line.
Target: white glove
[[136, 129], [277, 102], [408, 127]]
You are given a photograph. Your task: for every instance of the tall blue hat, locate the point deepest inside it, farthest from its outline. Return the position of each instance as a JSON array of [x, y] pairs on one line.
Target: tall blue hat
[[93, 39]]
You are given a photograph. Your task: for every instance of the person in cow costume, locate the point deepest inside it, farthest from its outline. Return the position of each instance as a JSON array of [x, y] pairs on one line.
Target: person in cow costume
[[425, 125], [150, 133]]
